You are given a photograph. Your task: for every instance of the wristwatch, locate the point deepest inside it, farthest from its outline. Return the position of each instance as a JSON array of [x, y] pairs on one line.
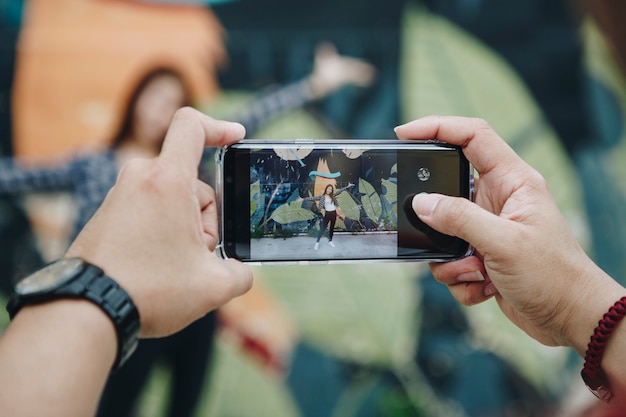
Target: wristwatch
[[75, 278]]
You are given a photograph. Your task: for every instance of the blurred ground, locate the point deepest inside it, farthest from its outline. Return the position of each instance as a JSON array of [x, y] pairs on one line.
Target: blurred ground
[[347, 246]]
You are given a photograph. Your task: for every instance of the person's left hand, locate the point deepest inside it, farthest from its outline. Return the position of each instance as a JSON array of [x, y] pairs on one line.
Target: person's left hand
[[156, 231]]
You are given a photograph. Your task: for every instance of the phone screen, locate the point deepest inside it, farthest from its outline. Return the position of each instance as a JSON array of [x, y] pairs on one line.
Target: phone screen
[[336, 200]]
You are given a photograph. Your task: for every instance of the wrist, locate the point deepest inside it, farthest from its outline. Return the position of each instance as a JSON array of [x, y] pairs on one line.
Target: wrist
[[591, 302], [72, 319], [315, 87]]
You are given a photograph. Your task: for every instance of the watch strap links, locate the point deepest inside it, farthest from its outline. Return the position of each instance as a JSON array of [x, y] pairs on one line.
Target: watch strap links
[[103, 291]]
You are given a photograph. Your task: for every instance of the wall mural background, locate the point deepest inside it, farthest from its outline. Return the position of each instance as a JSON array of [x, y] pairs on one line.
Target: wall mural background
[[346, 340]]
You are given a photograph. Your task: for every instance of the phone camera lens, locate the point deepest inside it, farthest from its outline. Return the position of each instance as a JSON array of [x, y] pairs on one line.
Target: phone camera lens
[[423, 174]]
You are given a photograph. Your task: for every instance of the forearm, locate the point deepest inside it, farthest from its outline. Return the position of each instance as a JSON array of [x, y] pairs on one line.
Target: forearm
[[589, 303], [55, 359], [341, 190]]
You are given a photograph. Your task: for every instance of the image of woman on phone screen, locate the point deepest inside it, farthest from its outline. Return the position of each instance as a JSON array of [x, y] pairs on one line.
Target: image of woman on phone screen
[[328, 202]]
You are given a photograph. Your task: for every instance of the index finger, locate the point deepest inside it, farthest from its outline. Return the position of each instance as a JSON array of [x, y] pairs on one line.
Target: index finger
[[481, 144], [190, 131]]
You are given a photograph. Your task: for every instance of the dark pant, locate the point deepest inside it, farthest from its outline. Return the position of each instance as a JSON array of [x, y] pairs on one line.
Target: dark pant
[[188, 354], [329, 220]]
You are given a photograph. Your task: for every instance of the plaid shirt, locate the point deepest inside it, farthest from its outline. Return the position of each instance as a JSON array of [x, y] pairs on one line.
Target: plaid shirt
[[274, 102], [320, 198], [88, 178]]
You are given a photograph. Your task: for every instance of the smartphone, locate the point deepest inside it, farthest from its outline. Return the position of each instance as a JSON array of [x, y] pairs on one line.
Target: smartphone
[[301, 201]]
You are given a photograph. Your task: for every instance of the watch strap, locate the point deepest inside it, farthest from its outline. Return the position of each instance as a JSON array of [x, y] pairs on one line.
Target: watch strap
[[93, 285], [103, 291]]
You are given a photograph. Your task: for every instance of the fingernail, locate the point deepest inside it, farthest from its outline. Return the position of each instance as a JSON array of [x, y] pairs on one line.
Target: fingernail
[[490, 290], [241, 128], [470, 277], [424, 204]]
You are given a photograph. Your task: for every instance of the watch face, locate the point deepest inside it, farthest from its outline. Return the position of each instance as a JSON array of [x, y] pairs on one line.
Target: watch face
[[50, 277]]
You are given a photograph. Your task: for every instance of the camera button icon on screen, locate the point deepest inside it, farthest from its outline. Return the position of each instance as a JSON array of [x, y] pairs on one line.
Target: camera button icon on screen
[[423, 174]]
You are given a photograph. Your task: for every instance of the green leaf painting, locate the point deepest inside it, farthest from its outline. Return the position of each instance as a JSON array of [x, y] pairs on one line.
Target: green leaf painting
[[370, 200], [257, 203], [349, 207], [390, 191], [290, 213], [255, 197]]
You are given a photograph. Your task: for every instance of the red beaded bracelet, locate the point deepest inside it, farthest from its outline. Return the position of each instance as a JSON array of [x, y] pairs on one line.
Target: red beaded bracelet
[[592, 373]]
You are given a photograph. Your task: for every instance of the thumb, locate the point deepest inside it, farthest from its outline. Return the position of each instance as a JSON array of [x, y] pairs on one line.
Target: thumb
[[457, 216]]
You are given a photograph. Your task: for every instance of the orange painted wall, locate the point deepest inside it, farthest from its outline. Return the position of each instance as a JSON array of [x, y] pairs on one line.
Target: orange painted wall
[[77, 59]]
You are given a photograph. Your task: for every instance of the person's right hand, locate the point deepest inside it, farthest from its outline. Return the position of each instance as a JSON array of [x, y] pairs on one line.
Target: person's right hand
[[156, 231], [525, 253]]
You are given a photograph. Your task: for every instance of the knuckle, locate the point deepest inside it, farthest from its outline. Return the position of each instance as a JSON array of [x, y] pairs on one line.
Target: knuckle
[[481, 124], [186, 113], [468, 294], [537, 181], [133, 170], [439, 275]]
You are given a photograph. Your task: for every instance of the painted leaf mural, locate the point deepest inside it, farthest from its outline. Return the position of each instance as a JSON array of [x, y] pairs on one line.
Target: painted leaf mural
[[257, 203], [349, 207], [390, 191], [290, 213], [370, 200]]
